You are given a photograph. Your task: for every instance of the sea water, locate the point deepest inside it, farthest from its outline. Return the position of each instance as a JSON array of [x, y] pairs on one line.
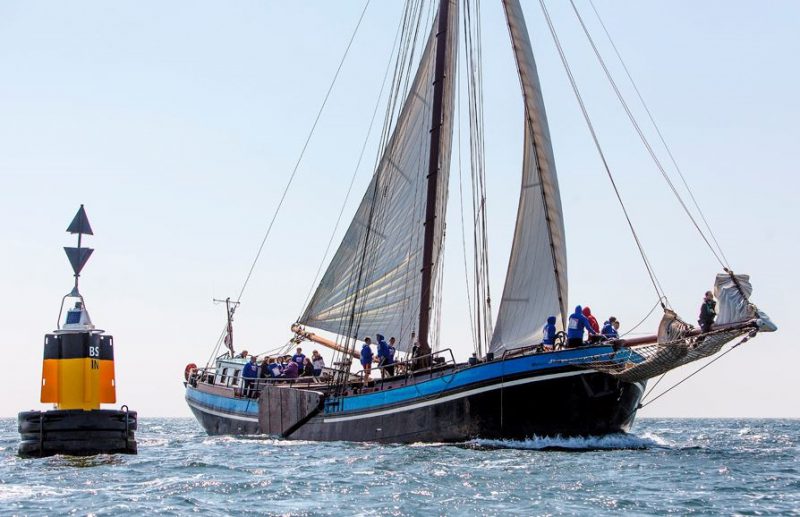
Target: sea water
[[665, 466]]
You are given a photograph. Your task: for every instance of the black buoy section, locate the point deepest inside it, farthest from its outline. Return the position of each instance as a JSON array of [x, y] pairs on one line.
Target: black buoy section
[[77, 376]]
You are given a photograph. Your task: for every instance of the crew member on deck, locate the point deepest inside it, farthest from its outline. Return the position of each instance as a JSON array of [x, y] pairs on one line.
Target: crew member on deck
[[384, 360], [577, 322], [708, 312], [249, 374], [610, 328], [392, 352], [299, 358], [366, 358], [593, 323], [318, 362], [549, 334]]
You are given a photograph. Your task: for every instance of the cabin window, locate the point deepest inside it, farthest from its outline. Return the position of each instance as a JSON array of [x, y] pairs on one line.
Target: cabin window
[[236, 377], [224, 376]]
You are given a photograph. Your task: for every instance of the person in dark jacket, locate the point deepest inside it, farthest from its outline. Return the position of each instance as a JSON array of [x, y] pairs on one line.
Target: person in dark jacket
[[708, 312], [366, 358], [549, 334], [609, 329], [577, 323], [249, 375], [308, 368]]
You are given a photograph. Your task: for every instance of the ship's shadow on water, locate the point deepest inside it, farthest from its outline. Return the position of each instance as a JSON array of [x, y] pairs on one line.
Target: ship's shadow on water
[[613, 442]]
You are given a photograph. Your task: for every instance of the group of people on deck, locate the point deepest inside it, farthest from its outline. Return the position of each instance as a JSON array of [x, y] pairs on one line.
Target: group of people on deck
[[582, 320], [281, 367], [385, 355]]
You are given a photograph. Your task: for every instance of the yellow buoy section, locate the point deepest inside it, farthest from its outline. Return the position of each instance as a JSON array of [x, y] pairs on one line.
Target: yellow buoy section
[[78, 370]]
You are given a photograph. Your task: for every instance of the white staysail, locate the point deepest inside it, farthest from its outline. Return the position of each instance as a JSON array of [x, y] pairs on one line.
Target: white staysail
[[536, 281], [373, 282]]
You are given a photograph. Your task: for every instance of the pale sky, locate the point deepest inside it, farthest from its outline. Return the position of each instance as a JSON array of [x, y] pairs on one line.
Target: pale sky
[[177, 125]]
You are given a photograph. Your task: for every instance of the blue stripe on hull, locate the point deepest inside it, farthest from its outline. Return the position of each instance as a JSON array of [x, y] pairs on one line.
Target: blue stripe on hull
[[481, 374]]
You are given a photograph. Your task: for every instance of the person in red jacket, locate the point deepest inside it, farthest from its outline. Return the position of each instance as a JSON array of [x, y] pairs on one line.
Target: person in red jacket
[[592, 323]]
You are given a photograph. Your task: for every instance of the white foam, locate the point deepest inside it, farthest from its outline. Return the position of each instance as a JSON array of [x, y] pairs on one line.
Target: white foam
[[607, 442]]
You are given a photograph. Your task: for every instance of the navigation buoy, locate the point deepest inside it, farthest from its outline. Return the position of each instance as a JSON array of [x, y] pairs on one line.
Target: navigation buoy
[[77, 376]]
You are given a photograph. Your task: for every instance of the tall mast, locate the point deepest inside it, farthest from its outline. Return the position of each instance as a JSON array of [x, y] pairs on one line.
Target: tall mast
[[431, 208]]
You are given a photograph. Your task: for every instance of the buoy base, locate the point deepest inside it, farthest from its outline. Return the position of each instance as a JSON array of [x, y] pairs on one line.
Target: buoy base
[[76, 432]]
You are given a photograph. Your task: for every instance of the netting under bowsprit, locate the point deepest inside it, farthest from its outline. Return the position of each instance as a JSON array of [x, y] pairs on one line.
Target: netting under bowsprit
[[643, 362]]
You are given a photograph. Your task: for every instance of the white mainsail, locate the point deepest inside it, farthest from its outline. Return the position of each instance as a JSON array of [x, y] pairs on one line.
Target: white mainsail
[[536, 281], [373, 282]]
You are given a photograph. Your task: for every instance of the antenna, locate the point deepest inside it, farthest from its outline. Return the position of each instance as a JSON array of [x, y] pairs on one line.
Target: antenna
[[78, 257]]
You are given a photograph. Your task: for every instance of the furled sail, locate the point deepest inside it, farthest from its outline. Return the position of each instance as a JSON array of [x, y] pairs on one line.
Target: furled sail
[[536, 281], [373, 282]]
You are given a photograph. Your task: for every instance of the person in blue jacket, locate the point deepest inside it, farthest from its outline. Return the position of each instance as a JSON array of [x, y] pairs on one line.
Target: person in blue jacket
[[392, 352], [384, 356], [549, 334], [366, 358], [577, 323], [249, 374], [609, 329]]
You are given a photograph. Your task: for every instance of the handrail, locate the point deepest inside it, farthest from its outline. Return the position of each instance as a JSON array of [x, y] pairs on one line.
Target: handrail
[[431, 366]]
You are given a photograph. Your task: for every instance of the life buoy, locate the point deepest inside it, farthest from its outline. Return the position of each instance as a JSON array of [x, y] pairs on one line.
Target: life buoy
[[188, 370]]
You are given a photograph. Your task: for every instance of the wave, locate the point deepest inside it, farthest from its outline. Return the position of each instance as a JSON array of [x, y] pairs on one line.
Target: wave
[[620, 441]]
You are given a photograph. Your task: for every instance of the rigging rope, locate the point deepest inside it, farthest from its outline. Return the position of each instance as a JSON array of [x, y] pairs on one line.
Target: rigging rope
[[642, 136], [475, 345], [584, 111], [302, 152], [717, 358], [660, 134]]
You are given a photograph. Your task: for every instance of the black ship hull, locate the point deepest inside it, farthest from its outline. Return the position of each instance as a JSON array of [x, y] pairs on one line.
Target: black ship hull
[[593, 404], [512, 399]]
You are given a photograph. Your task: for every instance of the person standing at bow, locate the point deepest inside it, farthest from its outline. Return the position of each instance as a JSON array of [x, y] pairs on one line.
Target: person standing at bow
[[708, 312]]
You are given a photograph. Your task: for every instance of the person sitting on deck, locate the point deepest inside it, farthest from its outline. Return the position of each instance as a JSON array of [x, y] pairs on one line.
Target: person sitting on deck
[[577, 322], [308, 368], [291, 371], [366, 358], [549, 334], [249, 374], [609, 328], [708, 312], [299, 358], [593, 323], [318, 362]]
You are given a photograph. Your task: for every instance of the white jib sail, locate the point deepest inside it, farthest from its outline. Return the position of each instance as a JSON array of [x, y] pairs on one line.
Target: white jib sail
[[536, 281]]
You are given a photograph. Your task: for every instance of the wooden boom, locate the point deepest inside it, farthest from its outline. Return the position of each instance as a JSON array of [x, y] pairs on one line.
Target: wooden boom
[[333, 345]]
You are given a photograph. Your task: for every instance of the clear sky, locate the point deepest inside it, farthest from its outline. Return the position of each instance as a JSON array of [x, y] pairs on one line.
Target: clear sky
[[177, 124]]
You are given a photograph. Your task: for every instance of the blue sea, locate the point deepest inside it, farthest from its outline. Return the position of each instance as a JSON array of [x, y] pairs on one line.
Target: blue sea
[[728, 467]]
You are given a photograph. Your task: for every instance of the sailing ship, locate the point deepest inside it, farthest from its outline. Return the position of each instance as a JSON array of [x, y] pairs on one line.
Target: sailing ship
[[386, 278]]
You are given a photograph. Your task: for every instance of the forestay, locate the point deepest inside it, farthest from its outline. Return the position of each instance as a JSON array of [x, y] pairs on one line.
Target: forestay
[[372, 284], [536, 281]]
